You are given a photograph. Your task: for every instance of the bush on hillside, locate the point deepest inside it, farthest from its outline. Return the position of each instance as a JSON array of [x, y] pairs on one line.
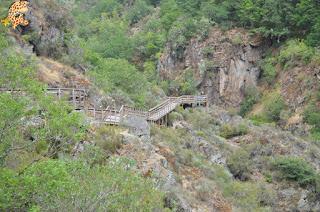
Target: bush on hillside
[[295, 169], [111, 74], [252, 96], [32, 122], [229, 131], [205, 190], [311, 115], [138, 10], [269, 71], [73, 185], [273, 107], [199, 119], [174, 116], [240, 164], [295, 50], [180, 33], [108, 139], [187, 83]]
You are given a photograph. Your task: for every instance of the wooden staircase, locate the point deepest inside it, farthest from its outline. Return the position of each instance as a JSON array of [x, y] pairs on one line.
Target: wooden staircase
[[112, 116]]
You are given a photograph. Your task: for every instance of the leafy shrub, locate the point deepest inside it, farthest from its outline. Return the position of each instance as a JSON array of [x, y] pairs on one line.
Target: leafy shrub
[[169, 12], [138, 10], [205, 190], [229, 131], [258, 119], [149, 42], [209, 65], [295, 169], [201, 133], [199, 119], [175, 116], [203, 26], [183, 29], [273, 106], [240, 164], [185, 156], [180, 33], [113, 74], [185, 85], [71, 186], [313, 37], [215, 12], [57, 128], [266, 196], [295, 50], [208, 51], [237, 40], [106, 38], [311, 115], [252, 96], [269, 71], [108, 139]]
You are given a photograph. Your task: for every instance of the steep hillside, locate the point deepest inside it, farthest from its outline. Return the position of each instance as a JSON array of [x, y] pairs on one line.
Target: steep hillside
[[256, 147]]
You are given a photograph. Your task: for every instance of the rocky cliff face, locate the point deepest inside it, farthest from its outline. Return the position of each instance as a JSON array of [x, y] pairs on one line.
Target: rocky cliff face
[[224, 64], [48, 29]]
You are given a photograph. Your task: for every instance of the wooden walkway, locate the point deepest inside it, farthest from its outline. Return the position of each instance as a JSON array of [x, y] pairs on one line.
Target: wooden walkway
[[112, 116]]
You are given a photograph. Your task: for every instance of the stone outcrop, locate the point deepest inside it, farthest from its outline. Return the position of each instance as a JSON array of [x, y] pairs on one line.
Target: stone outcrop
[[49, 24], [137, 125], [224, 64]]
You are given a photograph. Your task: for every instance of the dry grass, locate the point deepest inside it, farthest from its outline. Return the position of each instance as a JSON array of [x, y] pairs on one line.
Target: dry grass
[[56, 74]]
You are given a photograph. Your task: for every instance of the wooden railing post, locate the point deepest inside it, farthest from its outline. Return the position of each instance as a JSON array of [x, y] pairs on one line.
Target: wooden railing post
[[73, 98], [59, 93], [207, 103], [158, 114]]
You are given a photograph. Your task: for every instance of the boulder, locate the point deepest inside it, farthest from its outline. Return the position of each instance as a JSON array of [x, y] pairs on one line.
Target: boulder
[[137, 125]]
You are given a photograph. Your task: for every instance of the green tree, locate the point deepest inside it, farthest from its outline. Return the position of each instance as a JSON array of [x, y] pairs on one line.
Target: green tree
[[11, 113], [120, 74], [108, 38], [138, 10], [169, 12], [74, 185]]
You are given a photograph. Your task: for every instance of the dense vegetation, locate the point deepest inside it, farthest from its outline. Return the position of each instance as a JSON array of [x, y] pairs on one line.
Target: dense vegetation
[[76, 185], [118, 42], [131, 35], [37, 136]]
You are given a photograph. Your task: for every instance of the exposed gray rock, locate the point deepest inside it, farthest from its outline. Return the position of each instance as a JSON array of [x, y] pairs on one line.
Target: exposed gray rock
[[287, 193], [174, 200], [218, 159], [49, 22], [224, 72], [137, 125], [35, 121], [128, 138], [80, 147], [303, 204]]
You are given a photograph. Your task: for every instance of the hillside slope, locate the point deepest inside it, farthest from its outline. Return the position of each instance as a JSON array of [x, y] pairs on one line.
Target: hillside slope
[[256, 148]]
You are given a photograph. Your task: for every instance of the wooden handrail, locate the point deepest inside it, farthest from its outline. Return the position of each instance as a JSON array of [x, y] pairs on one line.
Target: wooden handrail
[[112, 115]]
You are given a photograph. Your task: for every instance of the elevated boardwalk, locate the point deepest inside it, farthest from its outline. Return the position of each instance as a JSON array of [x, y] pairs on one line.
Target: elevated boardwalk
[[112, 116]]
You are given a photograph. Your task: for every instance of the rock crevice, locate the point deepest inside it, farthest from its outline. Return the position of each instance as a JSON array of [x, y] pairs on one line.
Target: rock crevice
[[223, 65]]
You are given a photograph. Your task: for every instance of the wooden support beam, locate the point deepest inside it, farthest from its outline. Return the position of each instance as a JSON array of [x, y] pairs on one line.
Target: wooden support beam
[[74, 99]]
